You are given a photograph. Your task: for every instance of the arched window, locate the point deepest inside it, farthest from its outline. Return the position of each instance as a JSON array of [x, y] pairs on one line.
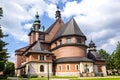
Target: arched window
[[86, 68], [41, 68], [60, 67], [77, 67], [67, 67]]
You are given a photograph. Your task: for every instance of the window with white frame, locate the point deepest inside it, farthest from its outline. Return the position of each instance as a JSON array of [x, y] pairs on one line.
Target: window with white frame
[[42, 57], [60, 67], [69, 40], [67, 67], [77, 67]]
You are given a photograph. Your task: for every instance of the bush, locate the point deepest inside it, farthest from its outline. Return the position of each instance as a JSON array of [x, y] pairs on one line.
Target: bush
[[34, 76], [24, 76], [3, 77]]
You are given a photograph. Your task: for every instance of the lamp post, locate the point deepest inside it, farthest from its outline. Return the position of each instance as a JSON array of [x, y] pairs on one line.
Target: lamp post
[[48, 66]]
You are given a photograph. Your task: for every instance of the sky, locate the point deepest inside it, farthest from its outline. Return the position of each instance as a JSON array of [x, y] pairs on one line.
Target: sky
[[98, 19]]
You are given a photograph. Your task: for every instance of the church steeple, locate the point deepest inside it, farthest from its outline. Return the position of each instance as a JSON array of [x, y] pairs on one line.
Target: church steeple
[[58, 14], [35, 32], [36, 24]]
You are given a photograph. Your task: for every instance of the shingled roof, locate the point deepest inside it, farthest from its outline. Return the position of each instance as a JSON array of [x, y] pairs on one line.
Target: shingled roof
[[39, 48], [70, 28], [94, 55], [73, 59]]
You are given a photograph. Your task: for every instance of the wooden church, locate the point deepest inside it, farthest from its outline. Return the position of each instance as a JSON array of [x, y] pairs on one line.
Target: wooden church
[[59, 51]]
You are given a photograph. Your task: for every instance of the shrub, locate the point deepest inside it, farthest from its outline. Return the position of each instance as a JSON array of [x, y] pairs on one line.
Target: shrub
[[34, 76], [24, 76], [3, 77]]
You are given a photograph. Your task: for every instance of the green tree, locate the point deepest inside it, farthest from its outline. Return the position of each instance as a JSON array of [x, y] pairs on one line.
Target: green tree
[[10, 69], [107, 58], [3, 52], [117, 57]]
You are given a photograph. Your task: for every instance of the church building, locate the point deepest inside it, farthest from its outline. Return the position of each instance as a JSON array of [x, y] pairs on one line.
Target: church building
[[61, 50]]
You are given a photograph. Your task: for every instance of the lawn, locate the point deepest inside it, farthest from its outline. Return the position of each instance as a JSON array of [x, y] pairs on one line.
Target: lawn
[[80, 78]]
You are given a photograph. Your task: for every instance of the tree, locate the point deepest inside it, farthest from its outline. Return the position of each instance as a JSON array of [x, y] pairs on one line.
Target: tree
[[117, 57], [107, 58], [3, 52], [10, 69]]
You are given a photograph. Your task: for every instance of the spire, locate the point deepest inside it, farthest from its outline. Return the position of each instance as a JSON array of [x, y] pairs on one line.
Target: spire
[[37, 21], [36, 24], [58, 14]]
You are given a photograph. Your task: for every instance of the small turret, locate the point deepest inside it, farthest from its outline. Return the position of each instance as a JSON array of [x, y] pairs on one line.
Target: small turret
[[58, 14], [35, 30], [92, 52], [92, 46], [36, 24]]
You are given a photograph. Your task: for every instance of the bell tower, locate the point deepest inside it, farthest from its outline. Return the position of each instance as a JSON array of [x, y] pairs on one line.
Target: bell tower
[[35, 32]]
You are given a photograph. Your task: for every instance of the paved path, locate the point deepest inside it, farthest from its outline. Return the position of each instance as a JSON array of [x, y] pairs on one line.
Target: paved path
[[15, 78], [59, 79]]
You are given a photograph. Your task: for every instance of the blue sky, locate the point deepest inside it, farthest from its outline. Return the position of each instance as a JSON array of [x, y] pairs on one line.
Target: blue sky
[[97, 18]]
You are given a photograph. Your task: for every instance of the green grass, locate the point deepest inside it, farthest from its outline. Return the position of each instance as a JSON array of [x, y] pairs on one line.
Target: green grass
[[79, 78], [98, 79], [44, 78], [63, 77]]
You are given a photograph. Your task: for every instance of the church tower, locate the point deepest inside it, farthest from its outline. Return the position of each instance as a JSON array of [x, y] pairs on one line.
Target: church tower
[[35, 32]]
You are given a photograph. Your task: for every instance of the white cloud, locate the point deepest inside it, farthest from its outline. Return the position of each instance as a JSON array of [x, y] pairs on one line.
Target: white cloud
[[51, 10], [17, 12], [56, 1], [27, 26], [97, 18]]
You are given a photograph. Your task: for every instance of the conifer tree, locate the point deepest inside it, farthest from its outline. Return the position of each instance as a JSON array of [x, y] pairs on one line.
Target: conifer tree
[[3, 51]]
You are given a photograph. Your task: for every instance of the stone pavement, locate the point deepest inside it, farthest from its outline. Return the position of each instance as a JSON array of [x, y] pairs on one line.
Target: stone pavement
[[15, 78]]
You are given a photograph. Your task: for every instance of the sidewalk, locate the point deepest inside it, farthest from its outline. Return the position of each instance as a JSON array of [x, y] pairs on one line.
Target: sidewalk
[[15, 78], [59, 79]]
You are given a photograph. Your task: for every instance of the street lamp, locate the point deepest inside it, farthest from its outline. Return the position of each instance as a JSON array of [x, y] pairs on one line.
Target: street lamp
[[48, 66]]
